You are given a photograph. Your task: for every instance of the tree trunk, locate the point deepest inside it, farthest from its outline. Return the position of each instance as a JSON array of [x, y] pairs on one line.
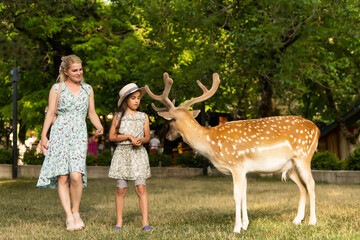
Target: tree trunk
[[266, 107], [22, 132]]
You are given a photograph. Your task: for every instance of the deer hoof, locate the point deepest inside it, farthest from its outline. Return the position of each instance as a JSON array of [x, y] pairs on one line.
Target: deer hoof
[[312, 221], [297, 220], [245, 225], [237, 229]]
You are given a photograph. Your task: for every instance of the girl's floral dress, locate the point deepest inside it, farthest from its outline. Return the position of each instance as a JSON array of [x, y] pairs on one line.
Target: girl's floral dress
[[130, 162], [68, 138]]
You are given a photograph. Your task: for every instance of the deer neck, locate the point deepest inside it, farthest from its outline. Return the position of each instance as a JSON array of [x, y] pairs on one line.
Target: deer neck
[[195, 135]]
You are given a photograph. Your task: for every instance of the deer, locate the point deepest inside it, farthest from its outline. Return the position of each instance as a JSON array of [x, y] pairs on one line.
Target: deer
[[280, 144]]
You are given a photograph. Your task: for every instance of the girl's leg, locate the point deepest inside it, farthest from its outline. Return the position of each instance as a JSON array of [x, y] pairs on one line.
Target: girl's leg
[[76, 188], [143, 202], [120, 202], [64, 194]]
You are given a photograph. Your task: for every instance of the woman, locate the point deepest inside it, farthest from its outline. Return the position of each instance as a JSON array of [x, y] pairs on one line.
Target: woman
[[65, 159]]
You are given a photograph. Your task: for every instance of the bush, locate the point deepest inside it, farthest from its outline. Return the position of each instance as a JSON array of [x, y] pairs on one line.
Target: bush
[[156, 157], [31, 158], [353, 161], [189, 160], [91, 160], [103, 159], [325, 161], [5, 156]]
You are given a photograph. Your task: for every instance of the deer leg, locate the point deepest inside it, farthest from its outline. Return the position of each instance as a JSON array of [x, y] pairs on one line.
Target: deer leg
[[301, 209], [239, 180], [304, 173], [310, 186], [245, 219]]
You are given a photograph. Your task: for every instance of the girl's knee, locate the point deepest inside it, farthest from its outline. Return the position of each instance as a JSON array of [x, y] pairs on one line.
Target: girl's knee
[[140, 189], [121, 192]]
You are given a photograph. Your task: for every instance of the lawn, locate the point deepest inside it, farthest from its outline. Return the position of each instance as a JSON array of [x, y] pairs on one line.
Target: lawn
[[181, 208]]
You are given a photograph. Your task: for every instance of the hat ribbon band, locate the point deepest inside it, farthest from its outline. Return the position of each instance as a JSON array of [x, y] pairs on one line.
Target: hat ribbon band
[[129, 91]]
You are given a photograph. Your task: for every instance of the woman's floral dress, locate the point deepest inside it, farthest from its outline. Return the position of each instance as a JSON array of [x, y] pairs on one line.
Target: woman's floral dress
[[130, 162], [68, 138]]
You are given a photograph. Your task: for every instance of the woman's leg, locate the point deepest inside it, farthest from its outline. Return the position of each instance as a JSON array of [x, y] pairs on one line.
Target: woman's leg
[[120, 202], [64, 194], [76, 188], [143, 202]]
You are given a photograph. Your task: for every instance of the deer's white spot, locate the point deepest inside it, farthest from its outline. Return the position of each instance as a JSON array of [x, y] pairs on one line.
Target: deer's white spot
[[212, 142], [208, 138]]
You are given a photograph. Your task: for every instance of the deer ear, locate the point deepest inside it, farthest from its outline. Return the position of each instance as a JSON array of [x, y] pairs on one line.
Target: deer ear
[[195, 113], [166, 115]]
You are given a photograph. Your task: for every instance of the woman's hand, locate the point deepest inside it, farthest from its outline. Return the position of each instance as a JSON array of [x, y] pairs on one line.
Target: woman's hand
[[99, 131], [44, 145]]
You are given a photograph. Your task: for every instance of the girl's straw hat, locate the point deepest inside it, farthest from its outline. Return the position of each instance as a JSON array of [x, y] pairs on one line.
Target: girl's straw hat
[[129, 89]]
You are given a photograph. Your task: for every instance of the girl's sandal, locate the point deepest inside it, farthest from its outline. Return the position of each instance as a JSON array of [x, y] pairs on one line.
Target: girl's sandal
[[70, 224], [79, 222], [147, 228]]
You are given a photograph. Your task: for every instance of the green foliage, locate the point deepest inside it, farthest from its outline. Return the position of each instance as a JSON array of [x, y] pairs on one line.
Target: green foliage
[[91, 160], [31, 158], [325, 161], [306, 50], [353, 161], [189, 159], [156, 157], [5, 156], [103, 159]]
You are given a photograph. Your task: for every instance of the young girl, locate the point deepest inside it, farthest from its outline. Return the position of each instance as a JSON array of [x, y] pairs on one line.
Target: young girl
[[66, 150], [130, 129]]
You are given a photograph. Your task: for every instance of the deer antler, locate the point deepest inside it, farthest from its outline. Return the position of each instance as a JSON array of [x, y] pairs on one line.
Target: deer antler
[[164, 97], [206, 93], [161, 109]]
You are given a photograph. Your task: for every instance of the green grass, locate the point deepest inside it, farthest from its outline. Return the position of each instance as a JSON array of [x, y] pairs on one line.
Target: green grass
[[189, 208]]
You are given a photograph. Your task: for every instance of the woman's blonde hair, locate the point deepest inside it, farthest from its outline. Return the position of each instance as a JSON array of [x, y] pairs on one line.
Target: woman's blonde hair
[[66, 63]]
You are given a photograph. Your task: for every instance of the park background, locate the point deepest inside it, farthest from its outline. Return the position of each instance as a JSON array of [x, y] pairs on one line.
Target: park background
[[281, 57], [274, 58]]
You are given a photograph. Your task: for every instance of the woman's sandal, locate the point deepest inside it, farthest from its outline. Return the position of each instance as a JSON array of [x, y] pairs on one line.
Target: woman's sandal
[[79, 222], [70, 224]]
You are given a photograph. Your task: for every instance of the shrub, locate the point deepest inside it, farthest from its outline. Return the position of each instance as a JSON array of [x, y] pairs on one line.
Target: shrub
[[91, 160], [5, 156], [353, 161], [31, 158], [156, 157], [104, 158], [189, 160], [325, 161]]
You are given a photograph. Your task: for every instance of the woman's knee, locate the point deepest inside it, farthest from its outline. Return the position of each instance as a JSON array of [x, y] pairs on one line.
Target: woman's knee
[[76, 178], [63, 179]]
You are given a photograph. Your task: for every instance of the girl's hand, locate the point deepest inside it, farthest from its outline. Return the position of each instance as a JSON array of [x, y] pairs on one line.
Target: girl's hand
[[99, 131], [137, 143], [44, 145], [133, 140]]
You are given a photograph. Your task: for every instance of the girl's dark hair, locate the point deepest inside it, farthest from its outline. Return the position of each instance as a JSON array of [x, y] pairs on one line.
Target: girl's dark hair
[[121, 111]]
